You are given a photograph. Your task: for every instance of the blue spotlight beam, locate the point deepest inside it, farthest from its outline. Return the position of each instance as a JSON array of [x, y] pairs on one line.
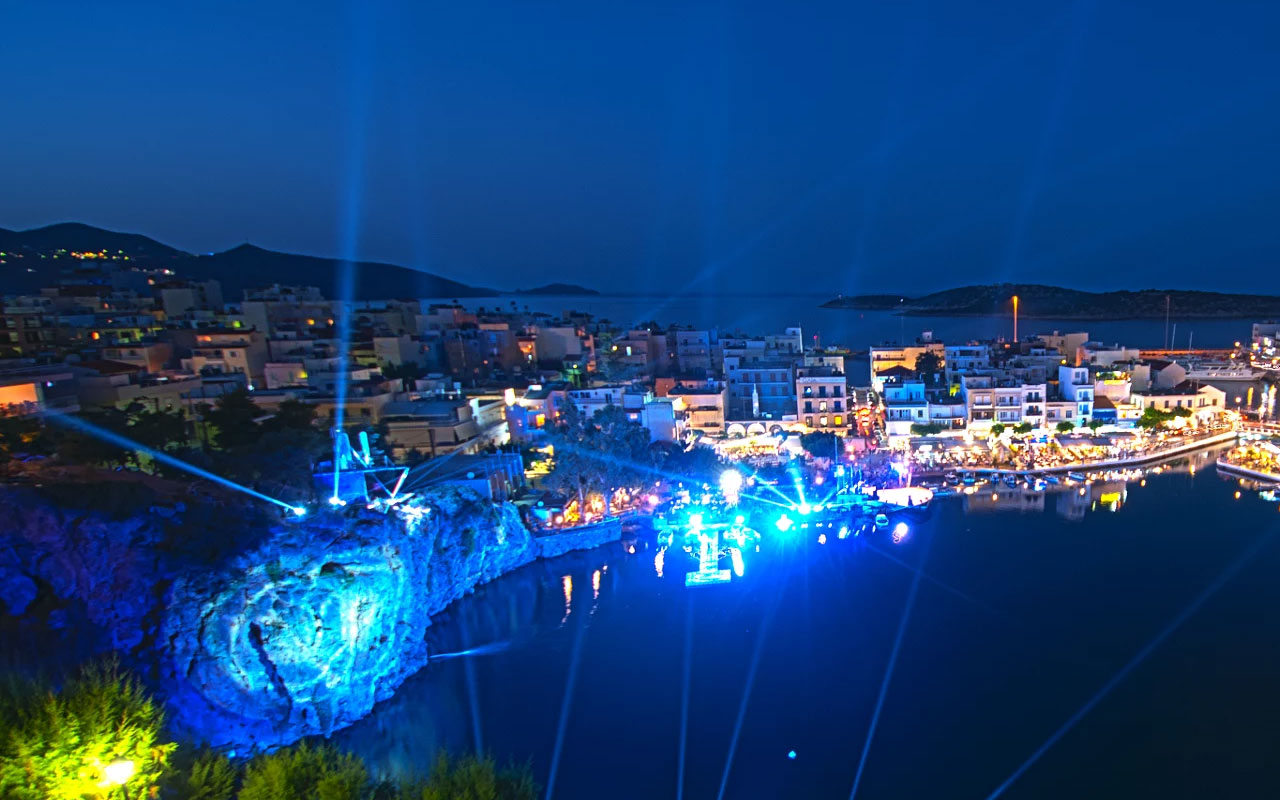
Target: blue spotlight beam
[[566, 704], [746, 689], [936, 582], [1223, 578], [684, 694], [124, 443], [360, 80], [888, 670]]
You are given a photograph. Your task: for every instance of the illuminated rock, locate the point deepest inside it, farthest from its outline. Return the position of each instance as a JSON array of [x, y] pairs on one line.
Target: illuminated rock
[[304, 633]]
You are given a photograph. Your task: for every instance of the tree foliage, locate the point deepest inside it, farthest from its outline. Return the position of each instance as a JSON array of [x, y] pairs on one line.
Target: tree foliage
[[821, 444], [1065, 427], [997, 429], [234, 416], [928, 364], [1157, 419], [206, 775], [926, 429], [56, 745], [473, 778], [303, 772], [1023, 428], [599, 455]]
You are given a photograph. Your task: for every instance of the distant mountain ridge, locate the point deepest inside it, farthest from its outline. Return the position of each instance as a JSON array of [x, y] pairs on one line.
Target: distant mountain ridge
[[559, 289], [1038, 301], [244, 267]]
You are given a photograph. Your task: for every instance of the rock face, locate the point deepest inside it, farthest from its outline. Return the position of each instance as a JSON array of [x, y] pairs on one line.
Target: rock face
[[114, 568], [298, 632], [304, 633]]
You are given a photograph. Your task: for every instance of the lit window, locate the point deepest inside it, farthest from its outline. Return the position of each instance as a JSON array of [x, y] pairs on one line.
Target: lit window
[[839, 420]]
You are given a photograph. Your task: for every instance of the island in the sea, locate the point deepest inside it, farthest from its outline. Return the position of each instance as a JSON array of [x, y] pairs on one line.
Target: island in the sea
[[559, 289], [1054, 302]]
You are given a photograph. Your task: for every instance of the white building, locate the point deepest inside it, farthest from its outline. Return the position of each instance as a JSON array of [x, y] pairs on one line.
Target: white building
[[1074, 384], [821, 398]]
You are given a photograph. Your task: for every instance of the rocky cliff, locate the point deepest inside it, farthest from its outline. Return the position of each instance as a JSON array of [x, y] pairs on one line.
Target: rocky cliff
[[297, 633]]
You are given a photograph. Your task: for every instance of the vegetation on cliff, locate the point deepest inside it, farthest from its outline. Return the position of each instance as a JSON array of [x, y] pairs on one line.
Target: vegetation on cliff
[[101, 735]]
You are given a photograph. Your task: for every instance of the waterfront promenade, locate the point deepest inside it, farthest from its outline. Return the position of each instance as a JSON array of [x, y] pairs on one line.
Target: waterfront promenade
[[1130, 459]]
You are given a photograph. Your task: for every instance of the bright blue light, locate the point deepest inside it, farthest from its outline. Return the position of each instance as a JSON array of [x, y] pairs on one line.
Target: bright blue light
[[844, 531], [804, 508], [784, 523], [125, 443], [695, 521], [792, 755], [900, 532], [299, 511], [739, 520], [818, 507]]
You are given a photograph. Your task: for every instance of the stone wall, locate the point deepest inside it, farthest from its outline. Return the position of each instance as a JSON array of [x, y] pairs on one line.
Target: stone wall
[[583, 537]]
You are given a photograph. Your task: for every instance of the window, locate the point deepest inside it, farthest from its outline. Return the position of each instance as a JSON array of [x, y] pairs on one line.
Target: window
[[836, 407], [808, 405], [808, 421], [839, 419], [822, 421], [822, 391]]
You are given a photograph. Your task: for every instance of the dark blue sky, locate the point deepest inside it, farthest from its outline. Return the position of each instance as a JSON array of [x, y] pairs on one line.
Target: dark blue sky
[[652, 146]]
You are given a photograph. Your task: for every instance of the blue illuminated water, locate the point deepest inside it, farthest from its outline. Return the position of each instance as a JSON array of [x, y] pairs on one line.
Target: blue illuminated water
[[1025, 609]]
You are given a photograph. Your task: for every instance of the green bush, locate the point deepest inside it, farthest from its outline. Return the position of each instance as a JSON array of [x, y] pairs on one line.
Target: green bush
[[58, 745], [473, 778], [207, 776], [303, 772]]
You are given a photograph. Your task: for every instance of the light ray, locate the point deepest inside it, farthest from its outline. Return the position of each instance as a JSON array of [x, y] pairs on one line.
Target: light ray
[[1223, 578], [889, 669], [126, 443]]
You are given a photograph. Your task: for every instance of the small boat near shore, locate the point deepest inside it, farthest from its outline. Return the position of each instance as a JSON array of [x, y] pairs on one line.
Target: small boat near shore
[[1078, 477]]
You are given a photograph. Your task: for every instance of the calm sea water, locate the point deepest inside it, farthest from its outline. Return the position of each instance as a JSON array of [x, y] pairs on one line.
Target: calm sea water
[[1025, 611], [861, 329]]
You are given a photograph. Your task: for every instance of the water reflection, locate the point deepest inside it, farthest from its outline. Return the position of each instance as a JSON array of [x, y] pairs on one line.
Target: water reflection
[[520, 651], [441, 706], [1073, 499]]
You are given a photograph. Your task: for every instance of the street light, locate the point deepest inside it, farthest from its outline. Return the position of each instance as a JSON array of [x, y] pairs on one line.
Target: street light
[[117, 773]]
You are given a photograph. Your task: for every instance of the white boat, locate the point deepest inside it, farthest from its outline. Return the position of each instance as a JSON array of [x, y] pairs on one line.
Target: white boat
[[881, 521]]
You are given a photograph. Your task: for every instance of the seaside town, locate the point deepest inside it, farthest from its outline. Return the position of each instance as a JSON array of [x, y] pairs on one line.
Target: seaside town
[[490, 391]]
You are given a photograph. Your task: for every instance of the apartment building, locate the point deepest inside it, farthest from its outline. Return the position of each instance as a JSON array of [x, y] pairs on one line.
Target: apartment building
[[821, 398]]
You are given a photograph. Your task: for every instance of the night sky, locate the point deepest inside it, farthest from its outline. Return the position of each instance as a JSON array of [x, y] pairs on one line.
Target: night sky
[[658, 146]]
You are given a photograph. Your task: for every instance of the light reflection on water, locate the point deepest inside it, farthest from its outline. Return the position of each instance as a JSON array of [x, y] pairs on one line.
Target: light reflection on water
[[1026, 607]]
